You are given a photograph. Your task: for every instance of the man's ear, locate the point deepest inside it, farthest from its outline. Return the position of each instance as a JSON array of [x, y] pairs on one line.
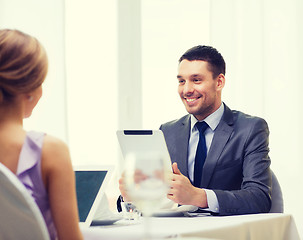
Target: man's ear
[[220, 81]]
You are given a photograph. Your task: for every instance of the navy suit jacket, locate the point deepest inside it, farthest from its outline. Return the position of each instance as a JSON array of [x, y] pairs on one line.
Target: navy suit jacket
[[237, 167]]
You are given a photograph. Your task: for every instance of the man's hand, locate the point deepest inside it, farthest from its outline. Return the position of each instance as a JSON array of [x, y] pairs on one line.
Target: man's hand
[[122, 188], [183, 192]]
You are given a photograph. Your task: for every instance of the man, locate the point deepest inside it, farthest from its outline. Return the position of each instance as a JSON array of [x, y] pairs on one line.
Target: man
[[236, 177], [224, 168]]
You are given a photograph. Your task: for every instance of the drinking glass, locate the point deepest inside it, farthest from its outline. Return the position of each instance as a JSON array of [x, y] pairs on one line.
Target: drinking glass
[[146, 183]]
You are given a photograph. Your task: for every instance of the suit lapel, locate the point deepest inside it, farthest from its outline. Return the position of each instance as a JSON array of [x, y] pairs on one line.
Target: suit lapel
[[182, 146], [221, 136]]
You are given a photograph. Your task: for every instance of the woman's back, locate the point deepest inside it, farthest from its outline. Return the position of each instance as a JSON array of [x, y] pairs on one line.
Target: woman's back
[[29, 173], [42, 163]]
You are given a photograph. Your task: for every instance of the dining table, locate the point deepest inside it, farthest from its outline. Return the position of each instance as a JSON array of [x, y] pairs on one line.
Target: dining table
[[269, 226]]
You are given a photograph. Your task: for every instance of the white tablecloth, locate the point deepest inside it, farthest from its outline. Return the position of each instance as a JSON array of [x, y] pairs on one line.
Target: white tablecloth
[[253, 227]]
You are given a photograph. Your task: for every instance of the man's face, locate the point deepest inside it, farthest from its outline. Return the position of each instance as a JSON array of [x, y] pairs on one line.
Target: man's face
[[199, 91]]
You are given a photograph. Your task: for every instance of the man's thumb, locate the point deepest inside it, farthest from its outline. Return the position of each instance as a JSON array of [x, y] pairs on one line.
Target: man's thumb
[[176, 169]]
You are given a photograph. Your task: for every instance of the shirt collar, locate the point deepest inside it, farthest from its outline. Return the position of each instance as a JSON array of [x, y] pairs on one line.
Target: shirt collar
[[212, 120]]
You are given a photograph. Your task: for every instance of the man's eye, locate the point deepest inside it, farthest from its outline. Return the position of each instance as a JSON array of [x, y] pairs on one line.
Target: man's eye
[[197, 80], [181, 81]]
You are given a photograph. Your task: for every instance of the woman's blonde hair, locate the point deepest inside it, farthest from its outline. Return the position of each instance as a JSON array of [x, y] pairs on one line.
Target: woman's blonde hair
[[23, 64]]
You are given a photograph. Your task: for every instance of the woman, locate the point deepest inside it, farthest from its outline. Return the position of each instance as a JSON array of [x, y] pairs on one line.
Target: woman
[[41, 162]]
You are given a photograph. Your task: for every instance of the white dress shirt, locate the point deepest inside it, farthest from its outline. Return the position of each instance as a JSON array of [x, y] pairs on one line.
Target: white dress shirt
[[212, 121]]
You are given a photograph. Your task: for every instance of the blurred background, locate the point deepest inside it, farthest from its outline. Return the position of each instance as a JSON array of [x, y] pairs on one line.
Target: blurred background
[[113, 65]]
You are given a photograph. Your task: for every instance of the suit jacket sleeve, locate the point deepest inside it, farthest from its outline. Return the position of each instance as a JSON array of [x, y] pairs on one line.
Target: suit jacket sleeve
[[247, 161]]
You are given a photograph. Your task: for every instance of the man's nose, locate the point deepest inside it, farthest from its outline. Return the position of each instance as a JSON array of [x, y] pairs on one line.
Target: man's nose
[[188, 88]]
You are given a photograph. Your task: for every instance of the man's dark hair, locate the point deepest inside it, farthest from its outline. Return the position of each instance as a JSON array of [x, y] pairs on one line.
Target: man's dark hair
[[207, 54]]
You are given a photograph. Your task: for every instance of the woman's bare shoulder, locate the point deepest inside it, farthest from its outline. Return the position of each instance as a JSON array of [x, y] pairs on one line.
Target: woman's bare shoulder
[[54, 144], [55, 151]]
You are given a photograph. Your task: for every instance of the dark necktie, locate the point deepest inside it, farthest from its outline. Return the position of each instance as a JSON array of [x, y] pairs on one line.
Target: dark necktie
[[200, 153]]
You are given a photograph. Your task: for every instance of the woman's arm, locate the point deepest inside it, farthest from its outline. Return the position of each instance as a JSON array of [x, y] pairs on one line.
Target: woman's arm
[[59, 178]]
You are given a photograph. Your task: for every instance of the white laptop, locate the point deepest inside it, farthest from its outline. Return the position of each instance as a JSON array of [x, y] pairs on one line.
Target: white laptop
[[91, 183]]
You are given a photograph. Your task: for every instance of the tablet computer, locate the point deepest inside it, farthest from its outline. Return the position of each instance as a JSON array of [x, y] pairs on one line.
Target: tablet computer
[[143, 142]]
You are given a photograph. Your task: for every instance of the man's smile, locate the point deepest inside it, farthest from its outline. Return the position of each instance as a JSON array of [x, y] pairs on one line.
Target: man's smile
[[191, 99]]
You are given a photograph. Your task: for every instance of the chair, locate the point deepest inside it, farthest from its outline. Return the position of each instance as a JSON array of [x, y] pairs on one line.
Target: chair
[[277, 205], [20, 217]]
